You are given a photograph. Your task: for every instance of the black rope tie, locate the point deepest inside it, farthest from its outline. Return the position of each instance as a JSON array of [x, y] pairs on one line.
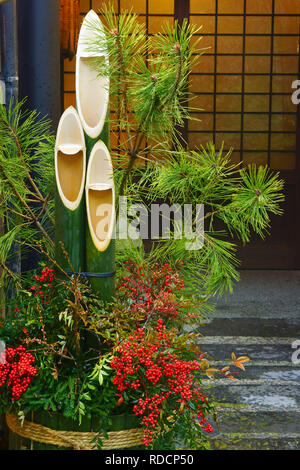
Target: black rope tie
[[84, 274]]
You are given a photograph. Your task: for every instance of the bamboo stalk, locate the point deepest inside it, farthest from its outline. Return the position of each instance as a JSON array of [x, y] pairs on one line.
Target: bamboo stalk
[[100, 261], [70, 167], [69, 230], [92, 97]]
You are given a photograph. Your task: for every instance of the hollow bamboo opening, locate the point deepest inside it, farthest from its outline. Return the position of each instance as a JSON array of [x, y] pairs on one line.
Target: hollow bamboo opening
[[70, 174], [100, 201], [92, 93]]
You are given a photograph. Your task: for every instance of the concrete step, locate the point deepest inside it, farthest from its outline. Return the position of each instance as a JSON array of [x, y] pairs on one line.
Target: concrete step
[[262, 350], [281, 394], [265, 370], [256, 441], [274, 365], [245, 340], [250, 326], [270, 373], [260, 419]]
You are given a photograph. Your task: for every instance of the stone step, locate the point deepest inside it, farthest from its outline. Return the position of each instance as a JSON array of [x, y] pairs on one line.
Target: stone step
[[271, 373], [259, 419], [255, 441], [281, 394], [244, 340], [265, 370], [243, 326], [266, 351], [271, 365], [260, 410]]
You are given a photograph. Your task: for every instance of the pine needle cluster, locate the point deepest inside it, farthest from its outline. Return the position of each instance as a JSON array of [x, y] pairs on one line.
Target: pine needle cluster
[[26, 182], [148, 83]]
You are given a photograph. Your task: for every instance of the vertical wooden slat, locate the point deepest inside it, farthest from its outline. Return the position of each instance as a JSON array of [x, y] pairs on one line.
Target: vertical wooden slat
[[243, 83], [182, 11], [297, 215], [271, 83], [69, 26]]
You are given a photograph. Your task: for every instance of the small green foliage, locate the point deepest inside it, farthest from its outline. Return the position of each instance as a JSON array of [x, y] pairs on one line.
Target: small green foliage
[[102, 369]]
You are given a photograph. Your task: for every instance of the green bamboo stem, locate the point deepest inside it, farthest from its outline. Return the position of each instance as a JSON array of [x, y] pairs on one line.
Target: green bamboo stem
[[97, 261], [69, 230], [70, 161]]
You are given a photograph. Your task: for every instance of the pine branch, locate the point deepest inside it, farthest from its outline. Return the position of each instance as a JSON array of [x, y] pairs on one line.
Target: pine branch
[[33, 217], [15, 137], [177, 49], [19, 214], [142, 129], [21, 131], [124, 90], [38, 194], [11, 275]]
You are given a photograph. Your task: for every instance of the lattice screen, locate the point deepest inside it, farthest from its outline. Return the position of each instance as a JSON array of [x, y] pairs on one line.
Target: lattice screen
[[243, 82]]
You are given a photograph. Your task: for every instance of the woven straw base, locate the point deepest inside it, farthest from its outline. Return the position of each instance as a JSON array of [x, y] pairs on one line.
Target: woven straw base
[[75, 440]]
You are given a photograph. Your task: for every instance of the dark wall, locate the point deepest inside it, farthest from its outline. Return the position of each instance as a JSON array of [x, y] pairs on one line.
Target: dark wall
[[39, 56], [9, 47], [39, 66]]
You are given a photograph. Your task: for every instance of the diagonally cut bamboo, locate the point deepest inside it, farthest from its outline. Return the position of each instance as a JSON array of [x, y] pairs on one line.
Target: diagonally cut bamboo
[[70, 170], [92, 90], [70, 159], [100, 196], [100, 209], [92, 97]]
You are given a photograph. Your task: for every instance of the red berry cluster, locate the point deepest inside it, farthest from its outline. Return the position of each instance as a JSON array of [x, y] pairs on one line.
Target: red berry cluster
[[16, 370], [45, 283], [146, 366], [16, 311], [152, 292]]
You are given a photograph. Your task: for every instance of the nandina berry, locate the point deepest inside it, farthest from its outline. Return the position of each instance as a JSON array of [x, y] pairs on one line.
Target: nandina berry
[[155, 292], [17, 371], [45, 282], [160, 375]]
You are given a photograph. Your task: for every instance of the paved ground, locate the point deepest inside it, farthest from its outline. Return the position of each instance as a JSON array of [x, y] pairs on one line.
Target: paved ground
[[261, 320]]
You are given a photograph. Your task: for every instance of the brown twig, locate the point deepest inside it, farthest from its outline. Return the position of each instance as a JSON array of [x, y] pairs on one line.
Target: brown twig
[[11, 274], [19, 214], [53, 261], [42, 323], [49, 347], [44, 206], [65, 253]]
